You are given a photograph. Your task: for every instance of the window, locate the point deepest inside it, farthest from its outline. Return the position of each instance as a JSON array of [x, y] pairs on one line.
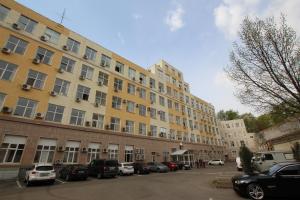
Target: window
[[163, 132], [152, 97], [130, 106], [52, 35], [2, 97], [115, 123], [172, 134], [128, 153], [176, 105], [116, 102], [67, 64], [77, 117], [98, 121], [129, 126], [161, 101], [142, 110], [113, 151], [93, 152], [61, 87], [44, 55], [36, 79], [153, 130], [178, 122], [290, 170], [187, 100], [131, 89], [169, 90], [143, 79], [161, 87], [131, 73], [16, 45], [167, 77], [103, 78], [25, 107], [142, 129], [45, 151], [171, 118], [170, 104], [100, 98], [7, 70], [11, 149], [26, 24], [119, 67], [87, 72], [118, 84], [71, 152], [153, 113], [3, 12], [173, 80], [54, 113], [162, 116], [105, 61], [142, 93], [73, 45], [90, 53], [152, 83], [83, 92]]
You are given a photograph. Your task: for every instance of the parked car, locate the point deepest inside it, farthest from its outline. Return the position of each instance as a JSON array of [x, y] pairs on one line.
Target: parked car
[[172, 166], [40, 173], [73, 172], [216, 162], [239, 165], [126, 169], [141, 168], [281, 180], [262, 161], [157, 167], [103, 168], [183, 166]]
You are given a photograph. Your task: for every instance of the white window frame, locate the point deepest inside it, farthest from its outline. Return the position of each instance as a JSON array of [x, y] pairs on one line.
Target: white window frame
[[53, 35], [73, 45], [61, 86], [87, 72], [18, 46], [7, 68], [26, 107], [57, 114], [98, 120], [78, 116]]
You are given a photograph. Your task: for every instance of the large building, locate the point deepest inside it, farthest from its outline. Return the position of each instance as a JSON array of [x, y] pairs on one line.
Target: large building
[[234, 135], [64, 98]]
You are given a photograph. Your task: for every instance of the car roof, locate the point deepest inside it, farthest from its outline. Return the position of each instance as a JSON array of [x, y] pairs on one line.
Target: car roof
[[42, 164]]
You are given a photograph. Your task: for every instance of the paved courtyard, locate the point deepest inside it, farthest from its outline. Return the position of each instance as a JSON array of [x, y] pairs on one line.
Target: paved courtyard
[[189, 185]]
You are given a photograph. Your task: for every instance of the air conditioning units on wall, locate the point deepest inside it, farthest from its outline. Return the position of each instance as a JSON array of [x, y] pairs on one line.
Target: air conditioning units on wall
[[16, 26], [36, 61], [66, 48], [6, 50], [26, 87], [61, 149], [39, 115], [7, 110], [45, 38]]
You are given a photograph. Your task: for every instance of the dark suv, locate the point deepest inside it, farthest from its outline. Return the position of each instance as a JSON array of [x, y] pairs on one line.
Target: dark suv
[[103, 168]]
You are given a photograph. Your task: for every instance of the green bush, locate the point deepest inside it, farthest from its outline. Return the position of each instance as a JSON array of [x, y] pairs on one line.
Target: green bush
[[296, 151], [246, 157]]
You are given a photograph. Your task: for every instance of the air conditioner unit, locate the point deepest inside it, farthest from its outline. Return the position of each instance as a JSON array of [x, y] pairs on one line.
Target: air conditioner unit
[[36, 61], [82, 77], [66, 48], [149, 133], [6, 50], [39, 115], [7, 110], [53, 93], [124, 129], [107, 127], [78, 99], [87, 123], [104, 150], [61, 70], [45, 38], [16, 26], [84, 150], [26, 87], [116, 90], [97, 104], [137, 105], [133, 78], [124, 101], [61, 149], [161, 134], [85, 56], [100, 83]]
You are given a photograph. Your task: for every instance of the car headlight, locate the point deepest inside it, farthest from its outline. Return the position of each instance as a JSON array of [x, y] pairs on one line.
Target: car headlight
[[240, 181]]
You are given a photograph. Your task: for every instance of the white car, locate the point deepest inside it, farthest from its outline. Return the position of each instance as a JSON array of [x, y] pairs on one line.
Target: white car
[[126, 169], [216, 162], [40, 173]]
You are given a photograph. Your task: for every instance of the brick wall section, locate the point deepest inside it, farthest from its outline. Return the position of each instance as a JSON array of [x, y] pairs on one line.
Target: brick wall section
[[35, 129]]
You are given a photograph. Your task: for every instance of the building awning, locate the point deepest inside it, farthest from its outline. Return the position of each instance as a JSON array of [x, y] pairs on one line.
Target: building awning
[[179, 152]]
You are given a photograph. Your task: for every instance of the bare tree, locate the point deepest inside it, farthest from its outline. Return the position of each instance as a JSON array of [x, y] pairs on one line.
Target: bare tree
[[265, 65]]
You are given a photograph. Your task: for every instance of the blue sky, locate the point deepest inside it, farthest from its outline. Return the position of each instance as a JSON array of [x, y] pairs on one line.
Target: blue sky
[[194, 36]]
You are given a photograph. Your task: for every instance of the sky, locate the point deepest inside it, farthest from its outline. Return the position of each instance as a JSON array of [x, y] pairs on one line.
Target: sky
[[194, 36]]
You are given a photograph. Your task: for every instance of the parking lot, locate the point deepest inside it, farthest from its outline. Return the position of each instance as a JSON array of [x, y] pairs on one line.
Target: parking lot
[[190, 184]]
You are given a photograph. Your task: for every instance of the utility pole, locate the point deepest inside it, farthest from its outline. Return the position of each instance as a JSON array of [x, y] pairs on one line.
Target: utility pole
[[63, 16]]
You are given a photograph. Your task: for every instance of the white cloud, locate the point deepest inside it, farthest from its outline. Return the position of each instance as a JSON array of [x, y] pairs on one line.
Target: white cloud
[[230, 13], [221, 80], [121, 38], [174, 18]]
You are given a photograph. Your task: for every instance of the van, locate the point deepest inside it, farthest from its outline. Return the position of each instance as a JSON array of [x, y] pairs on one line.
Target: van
[[262, 161], [103, 168]]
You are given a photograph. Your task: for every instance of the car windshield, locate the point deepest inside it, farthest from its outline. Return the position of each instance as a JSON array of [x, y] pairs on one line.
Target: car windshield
[[44, 168], [111, 163], [127, 165], [273, 169]]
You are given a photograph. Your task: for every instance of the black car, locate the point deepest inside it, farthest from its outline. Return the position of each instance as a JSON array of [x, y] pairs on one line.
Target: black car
[[183, 166], [103, 168], [141, 168], [281, 180], [74, 172]]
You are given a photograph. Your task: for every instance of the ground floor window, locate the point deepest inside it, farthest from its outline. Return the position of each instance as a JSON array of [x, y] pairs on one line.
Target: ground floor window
[[128, 153], [166, 156], [93, 152], [113, 151], [11, 149], [71, 152], [139, 154], [45, 151]]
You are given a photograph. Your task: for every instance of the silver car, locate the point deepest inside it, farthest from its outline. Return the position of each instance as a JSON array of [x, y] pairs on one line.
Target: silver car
[[157, 167]]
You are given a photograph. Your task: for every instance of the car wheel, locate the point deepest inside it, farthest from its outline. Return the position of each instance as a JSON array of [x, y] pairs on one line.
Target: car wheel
[[99, 175], [255, 191], [67, 177]]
